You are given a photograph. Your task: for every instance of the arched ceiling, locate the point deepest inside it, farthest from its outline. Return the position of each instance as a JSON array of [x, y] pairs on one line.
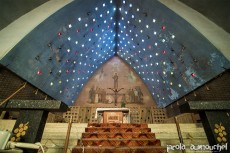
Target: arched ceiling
[[65, 50]]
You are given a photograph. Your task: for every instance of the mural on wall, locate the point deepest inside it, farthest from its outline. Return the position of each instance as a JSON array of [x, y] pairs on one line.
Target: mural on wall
[[115, 84]]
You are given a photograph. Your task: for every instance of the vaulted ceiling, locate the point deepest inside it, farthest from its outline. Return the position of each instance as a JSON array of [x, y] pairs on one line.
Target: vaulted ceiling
[[64, 51]]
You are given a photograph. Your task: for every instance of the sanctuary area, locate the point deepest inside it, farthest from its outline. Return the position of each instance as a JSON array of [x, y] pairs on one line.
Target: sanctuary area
[[114, 76]]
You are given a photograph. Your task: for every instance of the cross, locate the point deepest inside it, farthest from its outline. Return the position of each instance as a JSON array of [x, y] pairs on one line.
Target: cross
[[115, 93]]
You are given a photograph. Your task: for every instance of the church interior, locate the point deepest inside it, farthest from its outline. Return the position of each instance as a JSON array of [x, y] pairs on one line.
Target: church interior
[[104, 76]]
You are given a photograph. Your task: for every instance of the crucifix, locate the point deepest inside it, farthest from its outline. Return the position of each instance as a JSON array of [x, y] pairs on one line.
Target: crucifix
[[115, 88]]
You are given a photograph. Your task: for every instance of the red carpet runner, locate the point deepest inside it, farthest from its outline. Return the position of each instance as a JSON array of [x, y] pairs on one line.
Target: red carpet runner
[[118, 138]]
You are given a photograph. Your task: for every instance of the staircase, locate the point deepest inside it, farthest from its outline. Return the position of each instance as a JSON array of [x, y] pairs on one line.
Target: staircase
[[118, 138]]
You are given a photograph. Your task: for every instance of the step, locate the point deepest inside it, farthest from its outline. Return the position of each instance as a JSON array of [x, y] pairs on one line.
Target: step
[[110, 149], [126, 135], [120, 142], [117, 130], [122, 125]]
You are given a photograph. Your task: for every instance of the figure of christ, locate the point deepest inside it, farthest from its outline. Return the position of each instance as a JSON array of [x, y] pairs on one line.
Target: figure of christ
[[115, 78]]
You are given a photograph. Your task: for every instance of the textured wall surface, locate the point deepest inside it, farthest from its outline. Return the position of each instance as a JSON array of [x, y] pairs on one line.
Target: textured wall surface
[[10, 83], [62, 53], [216, 89]]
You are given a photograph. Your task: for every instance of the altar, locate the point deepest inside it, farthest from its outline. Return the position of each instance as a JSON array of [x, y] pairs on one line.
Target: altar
[[113, 115]]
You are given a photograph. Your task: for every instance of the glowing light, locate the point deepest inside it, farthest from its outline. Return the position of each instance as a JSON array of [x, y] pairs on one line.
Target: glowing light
[[96, 8], [79, 19], [39, 72], [70, 26]]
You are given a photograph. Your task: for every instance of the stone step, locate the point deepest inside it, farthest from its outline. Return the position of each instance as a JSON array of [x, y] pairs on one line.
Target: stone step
[[117, 130], [110, 149], [119, 142], [122, 125], [125, 135]]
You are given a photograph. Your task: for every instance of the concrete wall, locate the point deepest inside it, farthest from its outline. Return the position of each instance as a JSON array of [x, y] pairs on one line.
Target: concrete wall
[[216, 89]]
